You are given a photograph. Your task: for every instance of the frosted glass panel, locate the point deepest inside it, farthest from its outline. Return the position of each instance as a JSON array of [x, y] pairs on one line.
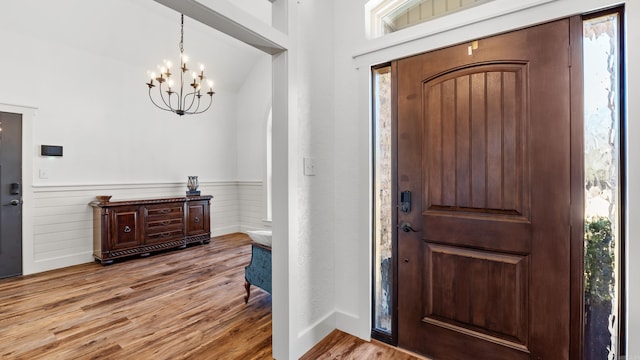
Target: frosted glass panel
[[383, 222], [602, 240]]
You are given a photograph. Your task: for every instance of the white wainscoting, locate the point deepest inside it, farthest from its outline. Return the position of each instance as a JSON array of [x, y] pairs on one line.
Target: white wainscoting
[[252, 203], [63, 223]]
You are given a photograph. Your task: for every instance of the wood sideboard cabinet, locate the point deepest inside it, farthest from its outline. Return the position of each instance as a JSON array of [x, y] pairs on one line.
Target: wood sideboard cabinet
[[139, 227]]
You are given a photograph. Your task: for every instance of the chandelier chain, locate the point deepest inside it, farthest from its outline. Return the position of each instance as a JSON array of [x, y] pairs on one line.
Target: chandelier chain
[[181, 33]]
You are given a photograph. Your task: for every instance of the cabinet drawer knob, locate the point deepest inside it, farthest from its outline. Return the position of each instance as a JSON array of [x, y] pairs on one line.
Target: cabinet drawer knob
[[196, 219], [127, 229]]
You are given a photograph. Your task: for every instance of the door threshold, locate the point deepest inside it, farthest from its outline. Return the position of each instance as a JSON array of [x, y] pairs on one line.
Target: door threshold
[[397, 348]]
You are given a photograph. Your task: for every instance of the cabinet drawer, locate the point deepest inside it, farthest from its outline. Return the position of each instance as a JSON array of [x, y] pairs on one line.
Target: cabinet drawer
[[156, 225], [161, 236], [164, 222], [165, 211]]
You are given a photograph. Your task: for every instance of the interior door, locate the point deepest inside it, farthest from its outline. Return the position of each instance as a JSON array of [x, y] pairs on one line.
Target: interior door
[[483, 146], [10, 194]]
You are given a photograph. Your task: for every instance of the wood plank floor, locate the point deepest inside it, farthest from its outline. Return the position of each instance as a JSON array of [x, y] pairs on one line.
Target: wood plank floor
[[339, 345], [183, 304]]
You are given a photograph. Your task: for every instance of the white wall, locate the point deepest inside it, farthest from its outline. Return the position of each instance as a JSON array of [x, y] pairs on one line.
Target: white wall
[[253, 108], [253, 112], [303, 111], [352, 142], [82, 66], [312, 246], [260, 9], [353, 57]]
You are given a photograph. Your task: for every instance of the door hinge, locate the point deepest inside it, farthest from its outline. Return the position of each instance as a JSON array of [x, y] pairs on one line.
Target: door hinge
[[569, 52]]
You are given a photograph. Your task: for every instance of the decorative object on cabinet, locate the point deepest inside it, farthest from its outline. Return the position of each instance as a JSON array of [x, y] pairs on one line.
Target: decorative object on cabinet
[[192, 185], [258, 272], [103, 198], [139, 227]]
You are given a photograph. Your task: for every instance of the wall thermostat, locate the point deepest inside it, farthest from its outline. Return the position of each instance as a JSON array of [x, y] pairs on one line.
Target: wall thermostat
[[50, 150]]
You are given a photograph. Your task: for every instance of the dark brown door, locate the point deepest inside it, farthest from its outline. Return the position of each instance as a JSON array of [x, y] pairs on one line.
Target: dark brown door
[[10, 194], [483, 145]]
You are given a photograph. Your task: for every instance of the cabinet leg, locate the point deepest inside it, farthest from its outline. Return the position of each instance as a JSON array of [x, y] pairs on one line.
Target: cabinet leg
[[105, 262], [247, 287]]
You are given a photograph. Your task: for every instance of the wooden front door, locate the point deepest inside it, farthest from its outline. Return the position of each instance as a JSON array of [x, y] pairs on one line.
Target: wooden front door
[[483, 146]]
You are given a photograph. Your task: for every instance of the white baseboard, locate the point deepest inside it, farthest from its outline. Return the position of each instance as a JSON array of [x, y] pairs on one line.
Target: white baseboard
[[224, 230], [353, 325], [245, 228], [57, 263], [315, 333]]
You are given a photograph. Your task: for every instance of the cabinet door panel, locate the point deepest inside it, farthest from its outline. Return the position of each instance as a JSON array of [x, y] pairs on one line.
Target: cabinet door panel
[[197, 217], [125, 229]]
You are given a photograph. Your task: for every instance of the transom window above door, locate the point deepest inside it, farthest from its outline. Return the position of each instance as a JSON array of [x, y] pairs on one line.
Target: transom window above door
[[388, 16]]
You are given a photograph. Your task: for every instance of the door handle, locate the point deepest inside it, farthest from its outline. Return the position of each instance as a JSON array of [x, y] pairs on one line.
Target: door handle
[[406, 227], [15, 202]]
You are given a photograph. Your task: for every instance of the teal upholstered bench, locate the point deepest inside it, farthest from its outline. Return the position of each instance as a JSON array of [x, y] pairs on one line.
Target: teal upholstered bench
[[258, 272]]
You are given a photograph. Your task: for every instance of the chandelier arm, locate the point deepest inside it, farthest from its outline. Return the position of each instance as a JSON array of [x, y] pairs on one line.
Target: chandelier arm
[[193, 98], [161, 93], [207, 108], [175, 110], [154, 103]]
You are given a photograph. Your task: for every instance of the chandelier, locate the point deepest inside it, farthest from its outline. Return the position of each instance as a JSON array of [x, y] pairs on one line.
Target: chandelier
[[183, 98]]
